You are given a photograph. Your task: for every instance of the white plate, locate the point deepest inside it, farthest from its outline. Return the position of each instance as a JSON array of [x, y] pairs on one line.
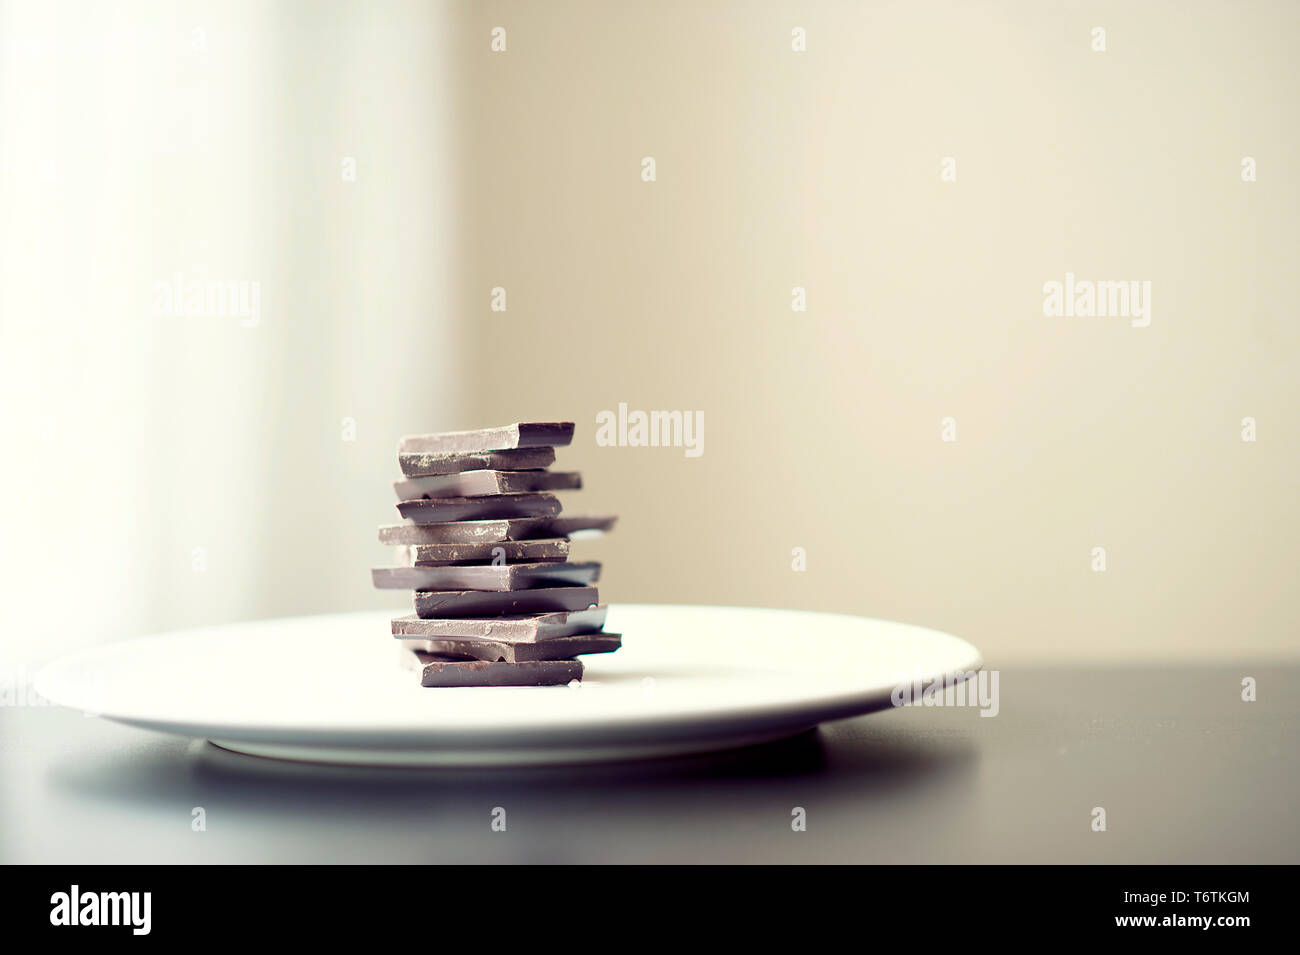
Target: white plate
[[329, 688]]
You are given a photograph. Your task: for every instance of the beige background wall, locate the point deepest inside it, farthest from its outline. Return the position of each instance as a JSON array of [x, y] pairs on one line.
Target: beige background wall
[[775, 169], [822, 169]]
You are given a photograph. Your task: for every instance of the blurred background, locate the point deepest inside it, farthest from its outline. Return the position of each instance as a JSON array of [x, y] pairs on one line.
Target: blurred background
[[363, 176]]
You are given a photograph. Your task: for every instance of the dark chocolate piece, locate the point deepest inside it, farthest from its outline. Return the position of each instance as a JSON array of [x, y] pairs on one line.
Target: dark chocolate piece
[[437, 555], [478, 483], [445, 510], [437, 670], [522, 528], [497, 577], [465, 532], [521, 459], [557, 648], [489, 603], [526, 434], [588, 525], [522, 629]]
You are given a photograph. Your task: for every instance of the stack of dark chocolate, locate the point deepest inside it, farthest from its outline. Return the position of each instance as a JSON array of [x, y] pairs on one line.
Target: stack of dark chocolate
[[497, 600]]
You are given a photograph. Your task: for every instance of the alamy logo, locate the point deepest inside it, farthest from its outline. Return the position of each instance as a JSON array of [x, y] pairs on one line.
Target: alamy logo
[[959, 688], [1101, 299], [209, 298], [651, 429], [102, 908], [18, 687]]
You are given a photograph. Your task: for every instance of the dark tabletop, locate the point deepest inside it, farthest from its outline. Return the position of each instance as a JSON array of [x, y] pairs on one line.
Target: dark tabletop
[[1184, 769]]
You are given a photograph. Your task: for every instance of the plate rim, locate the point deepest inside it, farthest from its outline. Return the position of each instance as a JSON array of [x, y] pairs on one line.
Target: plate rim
[[721, 720]]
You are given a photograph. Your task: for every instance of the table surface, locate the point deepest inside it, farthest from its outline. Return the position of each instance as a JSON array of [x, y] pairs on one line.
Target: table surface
[[1185, 770]]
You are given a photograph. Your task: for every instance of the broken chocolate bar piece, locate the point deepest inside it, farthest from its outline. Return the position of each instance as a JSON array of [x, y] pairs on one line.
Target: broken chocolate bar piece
[[436, 555], [451, 510], [591, 525], [491, 603], [522, 459], [437, 670], [523, 528], [557, 648], [526, 434], [445, 510], [522, 629], [478, 483], [497, 577], [464, 532]]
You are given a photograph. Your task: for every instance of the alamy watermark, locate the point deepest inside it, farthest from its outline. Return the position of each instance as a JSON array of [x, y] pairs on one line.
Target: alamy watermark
[[18, 687], [128, 909], [1105, 298], [958, 688], [651, 429], [208, 298]]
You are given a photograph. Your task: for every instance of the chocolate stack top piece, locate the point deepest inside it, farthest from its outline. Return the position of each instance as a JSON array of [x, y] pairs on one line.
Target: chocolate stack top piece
[[498, 600], [528, 434]]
